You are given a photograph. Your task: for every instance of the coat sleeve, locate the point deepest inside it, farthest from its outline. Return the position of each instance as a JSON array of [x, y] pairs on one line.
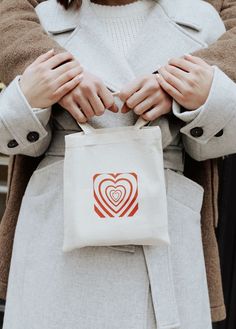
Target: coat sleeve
[[22, 37], [222, 52], [210, 131], [23, 130]]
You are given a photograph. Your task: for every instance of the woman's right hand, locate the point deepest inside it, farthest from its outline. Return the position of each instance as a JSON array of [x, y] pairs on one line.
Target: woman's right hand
[[90, 98], [49, 78]]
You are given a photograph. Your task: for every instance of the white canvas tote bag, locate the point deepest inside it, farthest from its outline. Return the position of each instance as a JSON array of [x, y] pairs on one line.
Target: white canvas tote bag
[[114, 187]]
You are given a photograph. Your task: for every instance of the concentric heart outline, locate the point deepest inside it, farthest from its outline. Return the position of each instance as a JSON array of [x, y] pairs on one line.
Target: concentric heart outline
[[116, 211], [126, 204], [108, 194]]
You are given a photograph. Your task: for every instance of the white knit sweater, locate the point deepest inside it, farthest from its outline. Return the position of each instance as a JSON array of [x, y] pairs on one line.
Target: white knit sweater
[[121, 24]]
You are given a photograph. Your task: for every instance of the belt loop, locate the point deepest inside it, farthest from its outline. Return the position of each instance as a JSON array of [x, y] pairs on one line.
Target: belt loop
[[159, 266]]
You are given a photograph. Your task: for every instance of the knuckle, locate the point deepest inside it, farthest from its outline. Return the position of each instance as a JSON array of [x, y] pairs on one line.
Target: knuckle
[[100, 111], [152, 85], [70, 75], [66, 101], [130, 103], [146, 79], [66, 88], [188, 91], [109, 103], [123, 96], [97, 83], [191, 83], [80, 118], [168, 88], [148, 116], [86, 88], [197, 70], [138, 110], [40, 69]]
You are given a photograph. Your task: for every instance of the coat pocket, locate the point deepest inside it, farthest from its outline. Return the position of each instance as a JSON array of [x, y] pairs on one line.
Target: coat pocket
[[184, 190], [47, 177]]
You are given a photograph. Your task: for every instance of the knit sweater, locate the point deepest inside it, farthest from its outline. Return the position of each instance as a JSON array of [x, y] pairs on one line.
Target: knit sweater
[[120, 25]]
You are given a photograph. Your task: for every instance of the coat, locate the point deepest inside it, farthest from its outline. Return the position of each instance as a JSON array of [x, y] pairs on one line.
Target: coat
[[184, 196], [221, 53]]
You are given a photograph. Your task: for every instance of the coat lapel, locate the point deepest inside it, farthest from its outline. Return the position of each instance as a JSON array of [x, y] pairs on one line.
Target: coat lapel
[[162, 38]]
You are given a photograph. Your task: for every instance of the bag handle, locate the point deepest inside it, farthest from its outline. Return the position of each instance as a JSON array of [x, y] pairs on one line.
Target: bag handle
[[88, 129]]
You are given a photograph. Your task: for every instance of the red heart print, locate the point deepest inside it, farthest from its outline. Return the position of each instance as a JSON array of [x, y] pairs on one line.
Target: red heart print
[[115, 195]]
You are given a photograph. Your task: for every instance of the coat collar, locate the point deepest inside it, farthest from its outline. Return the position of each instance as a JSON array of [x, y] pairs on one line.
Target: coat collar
[[65, 20], [150, 49]]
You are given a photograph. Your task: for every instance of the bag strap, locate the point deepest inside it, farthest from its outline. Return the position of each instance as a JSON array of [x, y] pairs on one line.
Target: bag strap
[[88, 129]]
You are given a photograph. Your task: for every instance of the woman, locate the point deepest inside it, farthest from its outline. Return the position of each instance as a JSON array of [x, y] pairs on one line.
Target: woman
[[125, 286]]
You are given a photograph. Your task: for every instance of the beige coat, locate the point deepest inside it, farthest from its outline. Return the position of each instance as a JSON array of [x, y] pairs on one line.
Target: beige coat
[[227, 11]]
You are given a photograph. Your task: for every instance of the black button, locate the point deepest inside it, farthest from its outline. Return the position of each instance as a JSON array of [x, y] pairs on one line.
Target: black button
[[196, 132], [13, 143], [220, 133], [33, 136]]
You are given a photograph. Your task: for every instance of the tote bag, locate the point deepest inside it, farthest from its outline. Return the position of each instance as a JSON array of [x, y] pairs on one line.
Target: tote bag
[[114, 187]]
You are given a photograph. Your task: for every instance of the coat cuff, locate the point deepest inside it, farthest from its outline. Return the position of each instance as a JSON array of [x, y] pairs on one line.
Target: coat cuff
[[21, 121], [219, 108]]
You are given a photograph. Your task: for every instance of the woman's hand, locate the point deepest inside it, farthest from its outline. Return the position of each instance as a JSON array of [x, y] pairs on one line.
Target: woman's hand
[[49, 78], [188, 80], [146, 98], [90, 98]]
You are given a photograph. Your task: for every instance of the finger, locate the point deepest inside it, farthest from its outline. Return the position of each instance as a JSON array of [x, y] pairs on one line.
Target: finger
[[183, 64], [153, 114], [174, 93], [136, 98], [125, 109], [67, 67], [107, 98], [77, 114], [69, 75], [147, 104], [74, 110], [177, 72], [85, 106], [171, 79], [97, 105], [113, 108], [195, 60], [67, 87], [58, 59], [44, 57], [130, 89]]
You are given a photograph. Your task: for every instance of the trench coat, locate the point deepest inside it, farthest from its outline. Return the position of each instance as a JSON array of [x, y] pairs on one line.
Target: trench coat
[[168, 270], [26, 27]]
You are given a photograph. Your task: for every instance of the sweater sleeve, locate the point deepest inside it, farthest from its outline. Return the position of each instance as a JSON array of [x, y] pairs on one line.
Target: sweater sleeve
[[222, 52], [22, 37]]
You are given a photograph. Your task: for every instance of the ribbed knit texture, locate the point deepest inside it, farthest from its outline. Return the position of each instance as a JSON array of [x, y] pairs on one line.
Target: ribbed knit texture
[[121, 24]]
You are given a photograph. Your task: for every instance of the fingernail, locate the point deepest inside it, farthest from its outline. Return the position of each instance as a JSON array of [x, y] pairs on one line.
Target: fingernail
[[116, 93]]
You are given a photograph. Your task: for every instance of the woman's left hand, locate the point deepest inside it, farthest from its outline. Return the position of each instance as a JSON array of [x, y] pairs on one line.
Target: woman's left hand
[[146, 98], [188, 80]]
